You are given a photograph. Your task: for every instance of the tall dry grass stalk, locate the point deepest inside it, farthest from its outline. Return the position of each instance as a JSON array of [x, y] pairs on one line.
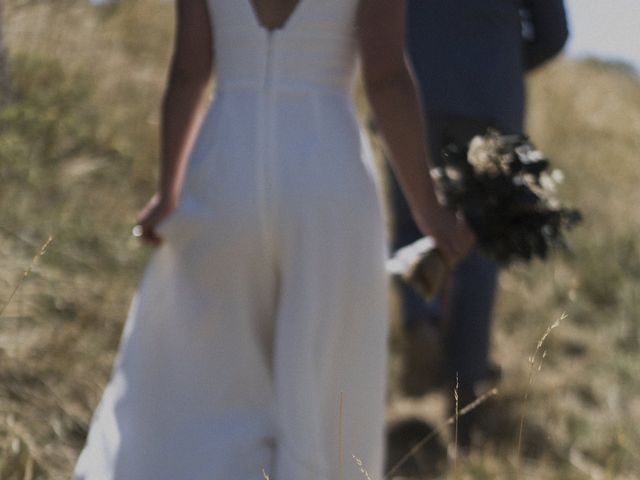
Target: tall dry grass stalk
[[362, 468], [440, 428], [456, 414], [535, 366], [26, 273]]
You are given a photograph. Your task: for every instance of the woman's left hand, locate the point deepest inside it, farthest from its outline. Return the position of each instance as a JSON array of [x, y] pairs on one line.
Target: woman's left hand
[[454, 238], [157, 209]]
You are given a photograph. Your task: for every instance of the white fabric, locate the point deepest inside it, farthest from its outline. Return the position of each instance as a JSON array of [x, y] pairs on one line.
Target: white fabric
[[267, 302]]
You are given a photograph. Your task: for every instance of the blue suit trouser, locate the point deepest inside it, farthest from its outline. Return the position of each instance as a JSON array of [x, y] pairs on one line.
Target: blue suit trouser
[[464, 309]]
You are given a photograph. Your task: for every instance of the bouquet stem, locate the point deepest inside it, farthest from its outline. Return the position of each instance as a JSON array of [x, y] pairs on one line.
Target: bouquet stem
[[421, 265]]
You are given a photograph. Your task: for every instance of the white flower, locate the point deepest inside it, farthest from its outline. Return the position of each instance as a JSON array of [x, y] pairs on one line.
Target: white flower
[[547, 182], [480, 155], [557, 175]]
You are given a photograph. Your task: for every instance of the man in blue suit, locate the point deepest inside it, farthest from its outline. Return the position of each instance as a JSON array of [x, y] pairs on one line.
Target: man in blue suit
[[470, 58]]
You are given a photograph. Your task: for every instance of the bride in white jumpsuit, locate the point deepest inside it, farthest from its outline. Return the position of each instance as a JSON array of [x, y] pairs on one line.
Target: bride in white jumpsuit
[[257, 339]]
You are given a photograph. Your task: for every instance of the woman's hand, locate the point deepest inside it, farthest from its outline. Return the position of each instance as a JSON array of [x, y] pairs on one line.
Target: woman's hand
[[156, 210], [453, 236]]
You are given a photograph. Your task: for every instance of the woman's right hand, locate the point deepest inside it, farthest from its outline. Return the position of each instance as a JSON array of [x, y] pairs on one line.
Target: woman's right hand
[[157, 210]]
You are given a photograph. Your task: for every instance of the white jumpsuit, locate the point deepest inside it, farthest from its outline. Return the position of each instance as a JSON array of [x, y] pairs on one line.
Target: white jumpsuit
[[267, 302]]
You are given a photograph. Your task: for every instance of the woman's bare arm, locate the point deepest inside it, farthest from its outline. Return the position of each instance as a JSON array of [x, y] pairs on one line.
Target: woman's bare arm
[[182, 107], [394, 100]]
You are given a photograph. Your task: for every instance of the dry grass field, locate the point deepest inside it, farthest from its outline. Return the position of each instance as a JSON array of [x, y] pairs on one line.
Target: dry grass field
[[77, 156]]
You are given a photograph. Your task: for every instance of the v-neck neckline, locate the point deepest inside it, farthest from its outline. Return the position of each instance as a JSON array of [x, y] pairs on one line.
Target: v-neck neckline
[[286, 24]]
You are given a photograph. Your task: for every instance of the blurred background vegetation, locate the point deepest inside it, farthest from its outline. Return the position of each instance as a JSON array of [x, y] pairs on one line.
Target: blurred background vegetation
[[78, 150]]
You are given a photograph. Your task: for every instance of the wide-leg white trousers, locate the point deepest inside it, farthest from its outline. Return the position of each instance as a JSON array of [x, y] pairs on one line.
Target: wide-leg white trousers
[[257, 339]]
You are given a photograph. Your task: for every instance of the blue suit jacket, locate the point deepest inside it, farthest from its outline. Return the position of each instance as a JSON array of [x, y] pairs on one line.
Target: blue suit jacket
[[470, 56]]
